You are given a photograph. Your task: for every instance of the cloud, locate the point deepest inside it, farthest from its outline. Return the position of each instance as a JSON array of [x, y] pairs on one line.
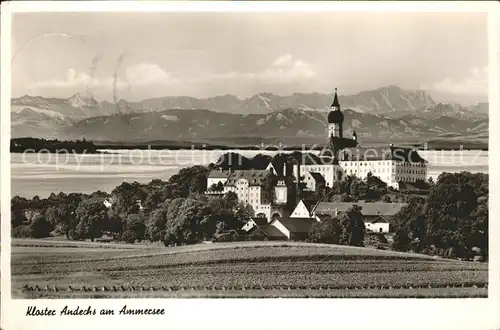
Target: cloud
[[476, 83], [72, 79], [143, 74], [148, 79], [146, 74], [285, 69]]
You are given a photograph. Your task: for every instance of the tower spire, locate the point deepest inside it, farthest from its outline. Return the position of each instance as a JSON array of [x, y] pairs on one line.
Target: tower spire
[[336, 100]]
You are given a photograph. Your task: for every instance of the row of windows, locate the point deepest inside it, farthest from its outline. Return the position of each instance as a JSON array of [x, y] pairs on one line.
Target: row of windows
[[378, 163], [318, 169], [412, 164], [405, 179], [411, 171], [356, 163]]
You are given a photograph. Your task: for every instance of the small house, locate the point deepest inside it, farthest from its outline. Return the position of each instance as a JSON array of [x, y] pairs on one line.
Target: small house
[[377, 216], [293, 228]]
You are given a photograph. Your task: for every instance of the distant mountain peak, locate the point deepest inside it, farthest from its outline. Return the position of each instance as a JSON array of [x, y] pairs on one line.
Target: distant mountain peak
[[78, 100]]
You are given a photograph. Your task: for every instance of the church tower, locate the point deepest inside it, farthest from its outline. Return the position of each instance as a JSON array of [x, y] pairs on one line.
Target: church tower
[[335, 119], [280, 193]]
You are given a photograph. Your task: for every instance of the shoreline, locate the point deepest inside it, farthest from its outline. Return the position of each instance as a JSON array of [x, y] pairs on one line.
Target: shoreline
[[101, 149]]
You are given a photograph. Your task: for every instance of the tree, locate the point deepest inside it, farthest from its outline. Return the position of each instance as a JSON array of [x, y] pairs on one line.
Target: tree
[[189, 181], [114, 225], [219, 186], [412, 219], [17, 219], [375, 187], [244, 213], [450, 205], [223, 216], [135, 224], [58, 216], [327, 231], [353, 227], [354, 189], [401, 240], [184, 223], [479, 227], [451, 222], [18, 206], [157, 192], [167, 211], [92, 217], [128, 236], [40, 227], [231, 200], [22, 231], [125, 199]]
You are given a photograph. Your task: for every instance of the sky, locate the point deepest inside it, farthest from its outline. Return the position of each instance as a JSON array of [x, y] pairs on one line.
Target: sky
[[136, 56]]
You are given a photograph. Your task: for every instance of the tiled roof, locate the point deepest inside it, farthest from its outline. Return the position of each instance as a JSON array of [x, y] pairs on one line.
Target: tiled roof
[[297, 225], [260, 221], [278, 161], [218, 174], [271, 231], [317, 177], [376, 220], [308, 203], [382, 153], [368, 209], [254, 177]]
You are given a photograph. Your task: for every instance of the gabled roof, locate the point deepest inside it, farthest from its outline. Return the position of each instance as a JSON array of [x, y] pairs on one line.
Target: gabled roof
[[379, 219], [308, 203], [402, 154], [368, 209], [278, 161], [260, 221], [317, 177], [254, 177], [296, 225], [270, 231], [218, 174]]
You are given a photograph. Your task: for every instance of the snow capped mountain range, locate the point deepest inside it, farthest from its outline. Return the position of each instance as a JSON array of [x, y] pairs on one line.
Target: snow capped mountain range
[[388, 110]]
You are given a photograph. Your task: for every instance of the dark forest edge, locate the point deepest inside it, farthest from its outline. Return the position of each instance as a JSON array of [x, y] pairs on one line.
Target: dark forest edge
[[449, 220], [20, 145]]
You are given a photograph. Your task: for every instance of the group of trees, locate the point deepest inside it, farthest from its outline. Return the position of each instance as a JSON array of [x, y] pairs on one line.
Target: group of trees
[[174, 212], [346, 229], [53, 146], [451, 222], [353, 189]]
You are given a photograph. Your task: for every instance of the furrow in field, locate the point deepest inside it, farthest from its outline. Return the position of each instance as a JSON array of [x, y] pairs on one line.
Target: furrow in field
[[366, 293]]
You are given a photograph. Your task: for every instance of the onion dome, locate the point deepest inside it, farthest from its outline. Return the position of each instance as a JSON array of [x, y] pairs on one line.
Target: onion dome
[[335, 117]]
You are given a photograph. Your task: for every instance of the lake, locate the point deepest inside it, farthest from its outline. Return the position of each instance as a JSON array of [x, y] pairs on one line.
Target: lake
[[42, 174]]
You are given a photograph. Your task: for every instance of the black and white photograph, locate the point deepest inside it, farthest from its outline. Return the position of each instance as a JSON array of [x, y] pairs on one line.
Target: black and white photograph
[[258, 154]]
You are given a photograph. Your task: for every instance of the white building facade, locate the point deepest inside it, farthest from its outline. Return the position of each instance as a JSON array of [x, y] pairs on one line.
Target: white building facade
[[248, 186], [390, 171], [391, 164]]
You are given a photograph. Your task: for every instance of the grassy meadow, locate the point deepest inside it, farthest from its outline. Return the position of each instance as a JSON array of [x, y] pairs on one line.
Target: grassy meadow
[[64, 269]]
